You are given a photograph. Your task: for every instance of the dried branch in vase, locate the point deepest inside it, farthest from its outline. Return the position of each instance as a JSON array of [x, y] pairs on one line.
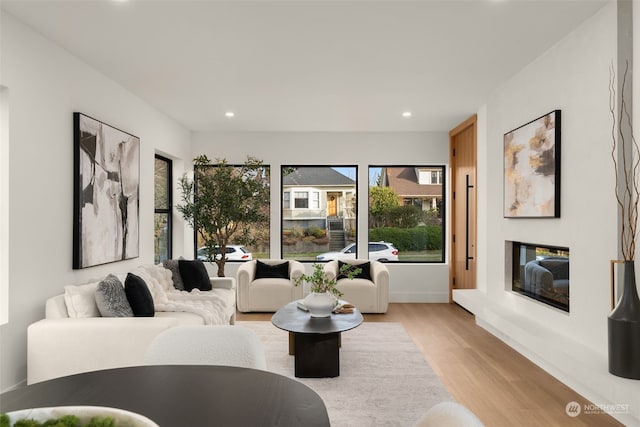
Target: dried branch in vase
[[626, 168]]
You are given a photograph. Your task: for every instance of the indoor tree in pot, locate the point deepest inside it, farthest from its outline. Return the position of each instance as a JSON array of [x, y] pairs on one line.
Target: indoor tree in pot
[[324, 294], [223, 202], [624, 320]]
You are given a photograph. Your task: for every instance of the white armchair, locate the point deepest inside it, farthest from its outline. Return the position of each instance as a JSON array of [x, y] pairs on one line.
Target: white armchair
[[270, 293], [228, 345], [369, 296]]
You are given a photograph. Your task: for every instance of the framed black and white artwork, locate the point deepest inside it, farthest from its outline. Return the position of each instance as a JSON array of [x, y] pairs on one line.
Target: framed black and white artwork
[[106, 193]]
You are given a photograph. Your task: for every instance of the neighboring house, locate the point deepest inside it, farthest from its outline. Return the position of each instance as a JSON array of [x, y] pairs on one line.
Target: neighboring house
[[420, 186], [319, 196]]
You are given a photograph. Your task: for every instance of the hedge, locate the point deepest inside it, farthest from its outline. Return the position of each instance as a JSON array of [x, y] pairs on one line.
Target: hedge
[[419, 238]]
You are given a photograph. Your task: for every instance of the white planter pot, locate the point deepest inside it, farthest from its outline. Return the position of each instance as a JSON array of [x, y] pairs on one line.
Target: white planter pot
[[320, 304], [84, 414]]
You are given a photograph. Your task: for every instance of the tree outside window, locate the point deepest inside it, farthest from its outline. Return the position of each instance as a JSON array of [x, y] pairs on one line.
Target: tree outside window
[[227, 206]]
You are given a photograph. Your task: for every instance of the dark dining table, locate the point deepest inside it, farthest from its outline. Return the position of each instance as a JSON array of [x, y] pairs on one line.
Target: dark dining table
[[182, 396]]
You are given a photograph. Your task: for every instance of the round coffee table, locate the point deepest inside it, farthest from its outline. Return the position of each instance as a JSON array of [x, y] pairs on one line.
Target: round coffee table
[[315, 341]]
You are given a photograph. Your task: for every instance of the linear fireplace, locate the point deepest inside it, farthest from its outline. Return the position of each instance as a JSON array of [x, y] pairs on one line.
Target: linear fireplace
[[541, 272]]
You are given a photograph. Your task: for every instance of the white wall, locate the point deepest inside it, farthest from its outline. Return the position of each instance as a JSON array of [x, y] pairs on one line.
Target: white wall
[[4, 207], [409, 282], [47, 85], [573, 76], [588, 217]]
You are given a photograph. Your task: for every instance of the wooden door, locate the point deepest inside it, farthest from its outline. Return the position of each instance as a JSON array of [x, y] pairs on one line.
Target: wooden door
[[462, 152], [332, 205]]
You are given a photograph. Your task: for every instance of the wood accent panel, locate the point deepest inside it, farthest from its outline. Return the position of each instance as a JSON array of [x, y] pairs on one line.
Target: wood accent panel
[[502, 387], [463, 188]]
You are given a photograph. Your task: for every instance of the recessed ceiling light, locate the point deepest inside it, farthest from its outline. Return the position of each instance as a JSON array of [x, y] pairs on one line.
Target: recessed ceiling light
[[229, 114], [406, 114]]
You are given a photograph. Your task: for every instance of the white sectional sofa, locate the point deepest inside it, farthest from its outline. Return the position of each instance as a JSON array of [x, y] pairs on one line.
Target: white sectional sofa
[[60, 345]]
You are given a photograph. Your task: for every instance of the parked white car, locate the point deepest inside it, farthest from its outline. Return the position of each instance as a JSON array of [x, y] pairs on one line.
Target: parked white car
[[379, 251], [234, 253]]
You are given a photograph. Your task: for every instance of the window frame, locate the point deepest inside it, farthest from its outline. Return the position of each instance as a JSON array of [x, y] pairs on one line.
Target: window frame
[[168, 210], [442, 212], [195, 233], [310, 191], [302, 196], [438, 177]]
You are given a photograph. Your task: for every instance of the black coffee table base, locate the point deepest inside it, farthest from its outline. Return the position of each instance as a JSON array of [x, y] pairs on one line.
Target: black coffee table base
[[315, 341], [317, 355]]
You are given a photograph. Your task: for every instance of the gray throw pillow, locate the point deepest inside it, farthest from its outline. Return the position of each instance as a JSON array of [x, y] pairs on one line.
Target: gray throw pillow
[[111, 298], [172, 265]]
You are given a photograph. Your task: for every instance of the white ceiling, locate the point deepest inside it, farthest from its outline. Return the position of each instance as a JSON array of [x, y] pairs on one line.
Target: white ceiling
[[308, 65]]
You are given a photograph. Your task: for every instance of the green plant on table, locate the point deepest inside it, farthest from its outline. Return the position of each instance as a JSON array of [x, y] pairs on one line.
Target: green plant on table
[[321, 281], [65, 421]]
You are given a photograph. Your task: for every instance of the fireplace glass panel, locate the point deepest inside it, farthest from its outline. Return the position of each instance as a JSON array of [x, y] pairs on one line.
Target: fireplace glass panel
[[541, 272]]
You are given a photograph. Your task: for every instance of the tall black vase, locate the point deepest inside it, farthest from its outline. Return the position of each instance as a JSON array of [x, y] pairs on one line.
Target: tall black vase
[[624, 329]]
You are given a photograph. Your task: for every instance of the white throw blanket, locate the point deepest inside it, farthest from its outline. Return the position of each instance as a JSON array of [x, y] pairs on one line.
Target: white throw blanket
[[206, 304]]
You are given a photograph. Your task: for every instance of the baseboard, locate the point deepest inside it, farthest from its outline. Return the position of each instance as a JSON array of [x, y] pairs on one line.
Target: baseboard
[[21, 384], [419, 297]]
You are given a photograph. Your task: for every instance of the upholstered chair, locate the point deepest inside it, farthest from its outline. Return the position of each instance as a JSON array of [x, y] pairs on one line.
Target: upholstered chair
[[370, 291], [267, 285], [228, 345]]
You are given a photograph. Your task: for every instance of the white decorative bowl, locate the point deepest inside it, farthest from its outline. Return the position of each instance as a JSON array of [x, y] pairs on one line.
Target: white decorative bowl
[[84, 413]]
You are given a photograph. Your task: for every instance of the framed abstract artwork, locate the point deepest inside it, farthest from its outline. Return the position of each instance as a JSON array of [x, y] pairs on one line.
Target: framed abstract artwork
[[532, 169], [106, 193]]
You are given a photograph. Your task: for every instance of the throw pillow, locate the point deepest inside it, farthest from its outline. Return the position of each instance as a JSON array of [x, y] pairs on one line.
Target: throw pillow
[[172, 265], [111, 298], [194, 275], [139, 296], [364, 274], [81, 300], [268, 271]]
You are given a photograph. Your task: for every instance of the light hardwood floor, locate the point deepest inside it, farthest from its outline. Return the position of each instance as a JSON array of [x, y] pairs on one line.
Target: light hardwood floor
[[498, 384]]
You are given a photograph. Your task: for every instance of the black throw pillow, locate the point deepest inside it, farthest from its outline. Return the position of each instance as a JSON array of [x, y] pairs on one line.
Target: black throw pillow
[[364, 274], [194, 275], [139, 296], [267, 271]]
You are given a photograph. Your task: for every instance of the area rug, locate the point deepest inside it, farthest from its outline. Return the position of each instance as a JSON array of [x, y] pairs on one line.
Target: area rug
[[384, 379]]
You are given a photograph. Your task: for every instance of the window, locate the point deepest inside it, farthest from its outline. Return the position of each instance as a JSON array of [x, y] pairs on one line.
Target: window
[[247, 239], [323, 218], [301, 199], [428, 175], [315, 200], [436, 177], [162, 224], [406, 213], [415, 201]]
